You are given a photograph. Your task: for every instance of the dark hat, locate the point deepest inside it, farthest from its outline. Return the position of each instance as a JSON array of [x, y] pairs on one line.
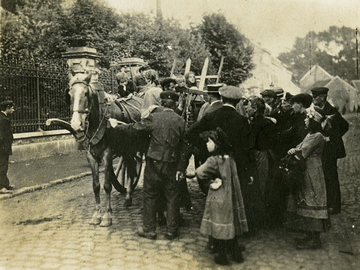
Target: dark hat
[[288, 96], [7, 102], [279, 92], [169, 95], [304, 99], [213, 88], [268, 93], [319, 91], [230, 92]]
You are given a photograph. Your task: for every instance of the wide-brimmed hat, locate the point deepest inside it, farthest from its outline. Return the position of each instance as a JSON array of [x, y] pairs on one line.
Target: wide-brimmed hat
[[279, 92], [213, 88]]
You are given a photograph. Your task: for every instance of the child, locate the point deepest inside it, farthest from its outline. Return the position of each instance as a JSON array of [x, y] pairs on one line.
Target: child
[[224, 216], [309, 211]]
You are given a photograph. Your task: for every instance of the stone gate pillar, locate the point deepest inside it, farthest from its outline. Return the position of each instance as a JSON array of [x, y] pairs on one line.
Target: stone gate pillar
[[83, 60]]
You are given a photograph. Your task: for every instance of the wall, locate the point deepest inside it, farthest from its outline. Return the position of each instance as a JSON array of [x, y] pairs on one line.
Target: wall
[[35, 145]]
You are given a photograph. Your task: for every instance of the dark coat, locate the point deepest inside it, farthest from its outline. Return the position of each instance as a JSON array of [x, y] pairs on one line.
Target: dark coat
[[235, 126], [6, 135], [292, 136], [166, 130], [339, 126], [263, 134]]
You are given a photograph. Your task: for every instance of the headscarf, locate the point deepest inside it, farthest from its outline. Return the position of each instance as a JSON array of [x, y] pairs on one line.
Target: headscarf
[[151, 100]]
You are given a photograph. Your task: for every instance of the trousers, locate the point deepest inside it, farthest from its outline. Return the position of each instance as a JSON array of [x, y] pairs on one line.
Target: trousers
[[159, 183], [4, 165]]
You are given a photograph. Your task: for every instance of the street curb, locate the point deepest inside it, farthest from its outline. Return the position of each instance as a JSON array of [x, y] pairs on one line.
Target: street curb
[[43, 186]]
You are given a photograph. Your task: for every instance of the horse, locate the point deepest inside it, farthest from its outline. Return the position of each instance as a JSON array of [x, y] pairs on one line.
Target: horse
[[90, 108]]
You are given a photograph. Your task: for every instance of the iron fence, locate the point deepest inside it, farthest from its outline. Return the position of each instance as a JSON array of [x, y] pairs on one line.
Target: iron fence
[[38, 90]]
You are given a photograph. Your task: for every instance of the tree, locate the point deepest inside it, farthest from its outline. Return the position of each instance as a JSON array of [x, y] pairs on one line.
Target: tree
[[334, 50], [223, 39], [33, 31]]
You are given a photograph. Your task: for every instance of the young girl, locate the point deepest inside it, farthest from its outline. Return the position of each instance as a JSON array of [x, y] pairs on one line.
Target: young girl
[[309, 210], [224, 216]]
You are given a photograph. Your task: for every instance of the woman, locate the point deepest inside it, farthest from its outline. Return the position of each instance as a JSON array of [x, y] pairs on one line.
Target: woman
[[293, 135], [122, 80], [224, 217], [262, 139], [308, 211], [190, 79]]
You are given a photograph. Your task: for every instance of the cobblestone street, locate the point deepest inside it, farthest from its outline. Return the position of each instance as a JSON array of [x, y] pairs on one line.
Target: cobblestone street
[[48, 229]]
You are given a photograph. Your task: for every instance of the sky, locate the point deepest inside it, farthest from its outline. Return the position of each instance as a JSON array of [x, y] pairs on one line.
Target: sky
[[274, 24]]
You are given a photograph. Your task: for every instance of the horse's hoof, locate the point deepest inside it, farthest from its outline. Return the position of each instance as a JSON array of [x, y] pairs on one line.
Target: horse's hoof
[[106, 222], [128, 202], [95, 221]]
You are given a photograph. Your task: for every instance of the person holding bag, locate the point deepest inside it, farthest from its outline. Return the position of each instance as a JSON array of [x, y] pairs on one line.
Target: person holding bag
[[224, 218], [307, 209]]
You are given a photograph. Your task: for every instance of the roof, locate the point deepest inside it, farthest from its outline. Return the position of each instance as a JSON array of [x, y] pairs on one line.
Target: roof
[[315, 70], [356, 84]]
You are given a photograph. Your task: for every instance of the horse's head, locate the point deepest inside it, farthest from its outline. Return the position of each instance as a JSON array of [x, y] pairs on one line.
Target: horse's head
[[80, 97]]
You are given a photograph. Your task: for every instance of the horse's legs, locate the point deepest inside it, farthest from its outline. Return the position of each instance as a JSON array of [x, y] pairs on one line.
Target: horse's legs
[[94, 165], [109, 173], [130, 166]]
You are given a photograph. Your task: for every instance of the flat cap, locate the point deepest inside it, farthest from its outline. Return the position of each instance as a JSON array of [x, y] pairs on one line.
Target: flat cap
[[230, 92], [268, 93], [169, 95], [319, 91], [279, 92], [7, 103], [302, 98], [213, 88]]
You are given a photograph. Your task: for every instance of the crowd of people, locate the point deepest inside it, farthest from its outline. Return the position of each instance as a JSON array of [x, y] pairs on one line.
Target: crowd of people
[[247, 154]]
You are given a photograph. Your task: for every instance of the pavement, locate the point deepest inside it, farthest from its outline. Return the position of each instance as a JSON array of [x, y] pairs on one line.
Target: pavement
[[39, 173], [48, 228]]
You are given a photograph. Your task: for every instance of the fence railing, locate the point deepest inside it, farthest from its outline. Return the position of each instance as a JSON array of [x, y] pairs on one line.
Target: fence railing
[[38, 90]]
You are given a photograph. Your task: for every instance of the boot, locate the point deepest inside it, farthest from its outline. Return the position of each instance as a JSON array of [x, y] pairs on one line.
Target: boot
[[236, 253], [313, 242]]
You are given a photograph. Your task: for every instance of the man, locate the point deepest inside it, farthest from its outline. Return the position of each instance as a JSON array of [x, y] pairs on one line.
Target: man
[[6, 139], [333, 150], [201, 154], [229, 120], [166, 129], [213, 100]]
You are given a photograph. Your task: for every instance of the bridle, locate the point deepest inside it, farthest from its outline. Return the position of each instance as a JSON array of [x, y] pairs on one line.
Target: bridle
[[87, 112]]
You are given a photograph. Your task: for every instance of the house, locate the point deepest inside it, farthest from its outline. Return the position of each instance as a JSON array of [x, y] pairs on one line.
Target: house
[[341, 94], [268, 72]]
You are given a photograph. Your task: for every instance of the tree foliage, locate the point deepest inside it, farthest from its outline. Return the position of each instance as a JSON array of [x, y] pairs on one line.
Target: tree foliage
[[334, 50], [43, 29], [223, 39]]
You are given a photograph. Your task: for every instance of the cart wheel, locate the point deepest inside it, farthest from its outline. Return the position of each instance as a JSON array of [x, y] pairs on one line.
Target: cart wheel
[[121, 183]]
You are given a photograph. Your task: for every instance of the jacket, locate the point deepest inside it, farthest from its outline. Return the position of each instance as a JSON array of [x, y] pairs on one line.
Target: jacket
[[6, 135]]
